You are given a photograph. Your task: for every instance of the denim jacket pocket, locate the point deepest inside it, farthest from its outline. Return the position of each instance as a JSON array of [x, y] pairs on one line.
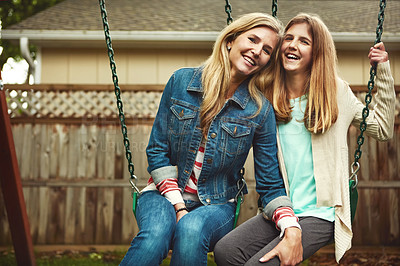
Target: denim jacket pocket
[[180, 127], [181, 118], [235, 135]]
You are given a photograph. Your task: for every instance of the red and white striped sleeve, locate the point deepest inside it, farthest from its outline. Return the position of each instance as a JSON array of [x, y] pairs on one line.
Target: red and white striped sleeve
[[284, 217], [170, 190]]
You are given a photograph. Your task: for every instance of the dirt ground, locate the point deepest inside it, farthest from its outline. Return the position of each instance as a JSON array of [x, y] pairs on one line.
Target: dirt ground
[[358, 256], [383, 256]]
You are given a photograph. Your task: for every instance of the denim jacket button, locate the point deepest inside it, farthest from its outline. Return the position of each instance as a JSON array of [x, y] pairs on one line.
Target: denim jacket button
[[209, 160], [213, 135], [208, 200]]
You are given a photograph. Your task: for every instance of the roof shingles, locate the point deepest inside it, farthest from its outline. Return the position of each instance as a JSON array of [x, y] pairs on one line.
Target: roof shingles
[[205, 15]]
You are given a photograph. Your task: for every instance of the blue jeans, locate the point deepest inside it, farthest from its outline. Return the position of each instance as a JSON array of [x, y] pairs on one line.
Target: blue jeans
[[190, 239]]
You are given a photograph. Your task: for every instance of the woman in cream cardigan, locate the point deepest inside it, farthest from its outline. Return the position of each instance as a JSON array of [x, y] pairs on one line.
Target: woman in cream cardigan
[[314, 109]]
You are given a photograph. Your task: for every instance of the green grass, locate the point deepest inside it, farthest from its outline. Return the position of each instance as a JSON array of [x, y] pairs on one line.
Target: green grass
[[67, 258], [210, 261], [70, 258]]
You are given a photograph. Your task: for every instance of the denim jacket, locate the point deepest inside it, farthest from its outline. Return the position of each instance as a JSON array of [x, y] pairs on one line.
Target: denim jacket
[[176, 137]]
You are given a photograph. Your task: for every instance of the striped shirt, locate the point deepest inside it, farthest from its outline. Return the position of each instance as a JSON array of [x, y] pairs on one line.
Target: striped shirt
[[169, 187]]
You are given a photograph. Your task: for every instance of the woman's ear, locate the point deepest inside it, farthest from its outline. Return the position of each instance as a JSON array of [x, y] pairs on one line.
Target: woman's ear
[[229, 46]]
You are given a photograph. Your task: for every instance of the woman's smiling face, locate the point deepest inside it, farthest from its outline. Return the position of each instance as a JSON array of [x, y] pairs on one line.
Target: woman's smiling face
[[251, 51], [296, 49]]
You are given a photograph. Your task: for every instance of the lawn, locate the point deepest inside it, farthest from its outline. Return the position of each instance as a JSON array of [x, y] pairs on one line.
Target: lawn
[[76, 258]]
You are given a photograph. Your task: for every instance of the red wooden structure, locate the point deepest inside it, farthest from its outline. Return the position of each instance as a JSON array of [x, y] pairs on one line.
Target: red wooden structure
[[11, 186]]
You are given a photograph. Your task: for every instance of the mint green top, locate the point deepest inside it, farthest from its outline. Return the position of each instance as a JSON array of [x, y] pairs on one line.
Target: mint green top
[[295, 141]]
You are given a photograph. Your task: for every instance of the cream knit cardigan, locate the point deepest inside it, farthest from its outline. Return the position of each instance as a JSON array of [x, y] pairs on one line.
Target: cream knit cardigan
[[330, 151]]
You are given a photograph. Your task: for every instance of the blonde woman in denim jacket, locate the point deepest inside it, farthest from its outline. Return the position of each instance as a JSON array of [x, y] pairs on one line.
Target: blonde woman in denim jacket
[[208, 119]]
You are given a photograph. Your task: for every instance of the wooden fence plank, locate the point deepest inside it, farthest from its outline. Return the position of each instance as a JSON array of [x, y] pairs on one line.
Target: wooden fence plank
[[43, 215], [75, 211], [116, 230], [119, 156], [32, 200], [63, 151], [91, 153], [18, 138], [44, 152], [54, 150], [57, 210], [25, 166], [69, 231], [82, 139], [101, 152], [383, 198], [36, 148], [44, 173], [371, 205], [105, 203], [91, 217], [73, 151], [109, 159], [80, 216]]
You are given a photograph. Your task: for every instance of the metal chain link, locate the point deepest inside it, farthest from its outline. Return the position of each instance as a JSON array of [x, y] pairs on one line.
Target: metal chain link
[[117, 91], [228, 10], [368, 97], [274, 7]]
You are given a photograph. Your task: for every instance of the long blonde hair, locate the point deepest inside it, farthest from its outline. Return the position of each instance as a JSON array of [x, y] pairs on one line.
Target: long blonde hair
[[321, 111], [216, 70]]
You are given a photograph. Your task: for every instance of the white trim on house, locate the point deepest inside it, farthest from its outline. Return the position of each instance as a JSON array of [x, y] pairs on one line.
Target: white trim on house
[[116, 35], [167, 39]]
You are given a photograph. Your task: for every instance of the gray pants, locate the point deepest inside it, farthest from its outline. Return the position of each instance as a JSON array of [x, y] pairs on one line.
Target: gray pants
[[256, 237]]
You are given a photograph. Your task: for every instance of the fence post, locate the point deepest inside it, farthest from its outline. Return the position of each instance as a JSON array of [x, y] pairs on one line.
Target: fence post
[[11, 186]]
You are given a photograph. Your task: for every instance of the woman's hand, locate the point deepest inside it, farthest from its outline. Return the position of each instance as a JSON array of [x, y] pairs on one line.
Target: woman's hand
[[377, 54], [289, 250], [181, 213]]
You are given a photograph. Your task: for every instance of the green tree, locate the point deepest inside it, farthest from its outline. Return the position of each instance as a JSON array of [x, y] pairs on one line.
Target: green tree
[[12, 12]]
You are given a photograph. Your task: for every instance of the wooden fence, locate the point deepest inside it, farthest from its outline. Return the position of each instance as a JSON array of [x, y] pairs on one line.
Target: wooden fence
[[75, 178]]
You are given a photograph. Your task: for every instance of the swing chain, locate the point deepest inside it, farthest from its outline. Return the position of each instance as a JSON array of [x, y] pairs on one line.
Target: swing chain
[[381, 17], [274, 7], [355, 167], [117, 91], [368, 96], [228, 10], [241, 184]]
